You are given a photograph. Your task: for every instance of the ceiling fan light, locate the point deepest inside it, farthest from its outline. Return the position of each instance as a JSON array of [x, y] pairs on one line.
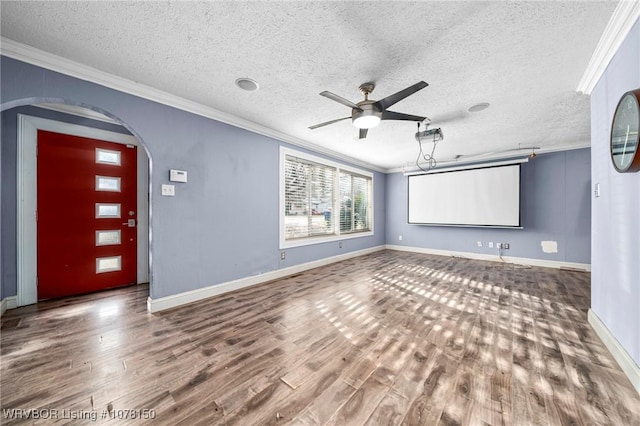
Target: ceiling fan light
[[366, 121]]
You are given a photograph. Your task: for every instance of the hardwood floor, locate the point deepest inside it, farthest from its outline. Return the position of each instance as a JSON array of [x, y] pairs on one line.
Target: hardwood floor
[[388, 338]]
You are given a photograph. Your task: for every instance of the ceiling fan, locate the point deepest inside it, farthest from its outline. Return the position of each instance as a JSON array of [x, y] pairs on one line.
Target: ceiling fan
[[368, 113]]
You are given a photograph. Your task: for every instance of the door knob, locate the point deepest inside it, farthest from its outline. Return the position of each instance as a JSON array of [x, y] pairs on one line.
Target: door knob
[[131, 223]]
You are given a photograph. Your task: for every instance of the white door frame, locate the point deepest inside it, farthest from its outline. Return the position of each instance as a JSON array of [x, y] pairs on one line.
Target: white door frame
[[27, 133]]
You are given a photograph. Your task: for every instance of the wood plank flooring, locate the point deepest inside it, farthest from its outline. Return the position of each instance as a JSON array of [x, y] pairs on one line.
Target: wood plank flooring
[[390, 338]]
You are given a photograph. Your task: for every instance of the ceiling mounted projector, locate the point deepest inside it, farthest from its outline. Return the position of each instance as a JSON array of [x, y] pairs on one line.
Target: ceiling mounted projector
[[430, 135]]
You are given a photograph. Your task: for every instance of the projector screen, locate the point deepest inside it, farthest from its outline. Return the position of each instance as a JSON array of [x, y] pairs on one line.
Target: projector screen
[[488, 196]]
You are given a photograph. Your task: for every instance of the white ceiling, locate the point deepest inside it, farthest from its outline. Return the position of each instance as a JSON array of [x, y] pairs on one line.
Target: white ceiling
[[524, 58]]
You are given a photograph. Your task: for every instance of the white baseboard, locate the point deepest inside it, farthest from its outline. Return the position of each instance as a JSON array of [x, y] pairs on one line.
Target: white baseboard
[[168, 302], [495, 258], [624, 360], [8, 303]]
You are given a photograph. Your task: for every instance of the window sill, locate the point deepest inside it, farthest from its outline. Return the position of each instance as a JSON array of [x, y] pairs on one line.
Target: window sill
[[323, 239]]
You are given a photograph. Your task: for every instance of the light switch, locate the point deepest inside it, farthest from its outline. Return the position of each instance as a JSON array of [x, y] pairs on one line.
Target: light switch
[[168, 190]]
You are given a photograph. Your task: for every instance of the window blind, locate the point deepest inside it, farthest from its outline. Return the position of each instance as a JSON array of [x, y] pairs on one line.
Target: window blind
[[354, 202], [309, 198], [323, 200]]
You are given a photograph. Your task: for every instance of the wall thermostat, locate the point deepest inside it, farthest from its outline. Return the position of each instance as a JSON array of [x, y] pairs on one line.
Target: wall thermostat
[[177, 175]]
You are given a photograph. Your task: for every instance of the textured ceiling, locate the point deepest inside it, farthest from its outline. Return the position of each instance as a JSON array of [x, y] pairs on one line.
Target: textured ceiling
[[524, 58]]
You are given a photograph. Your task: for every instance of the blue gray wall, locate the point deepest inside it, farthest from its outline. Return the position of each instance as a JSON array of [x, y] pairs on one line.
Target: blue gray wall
[[555, 207], [615, 277], [8, 191], [220, 226]]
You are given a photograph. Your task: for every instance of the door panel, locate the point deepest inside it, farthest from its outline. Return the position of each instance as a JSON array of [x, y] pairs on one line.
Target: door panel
[[86, 215]]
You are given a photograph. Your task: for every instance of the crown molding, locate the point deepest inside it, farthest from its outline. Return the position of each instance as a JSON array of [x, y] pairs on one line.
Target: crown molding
[[623, 19], [40, 58]]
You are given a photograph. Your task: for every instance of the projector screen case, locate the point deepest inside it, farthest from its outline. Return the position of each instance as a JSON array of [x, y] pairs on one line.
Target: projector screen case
[[478, 197]]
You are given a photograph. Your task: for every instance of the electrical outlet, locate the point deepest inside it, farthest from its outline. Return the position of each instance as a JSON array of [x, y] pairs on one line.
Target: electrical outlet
[[399, 237], [499, 245], [479, 243], [490, 244], [283, 255], [505, 246], [340, 244]]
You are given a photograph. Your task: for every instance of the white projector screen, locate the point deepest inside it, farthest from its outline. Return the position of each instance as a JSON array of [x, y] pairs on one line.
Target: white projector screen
[[487, 196]]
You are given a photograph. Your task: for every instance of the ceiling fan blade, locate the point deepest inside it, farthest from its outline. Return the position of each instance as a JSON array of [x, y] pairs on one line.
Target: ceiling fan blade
[[392, 115], [328, 122], [363, 133], [340, 99], [397, 97]]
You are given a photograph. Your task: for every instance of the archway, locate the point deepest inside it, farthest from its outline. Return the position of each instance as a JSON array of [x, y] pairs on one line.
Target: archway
[[62, 116]]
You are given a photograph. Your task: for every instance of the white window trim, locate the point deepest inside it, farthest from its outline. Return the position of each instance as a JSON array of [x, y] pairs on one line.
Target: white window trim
[[284, 151]]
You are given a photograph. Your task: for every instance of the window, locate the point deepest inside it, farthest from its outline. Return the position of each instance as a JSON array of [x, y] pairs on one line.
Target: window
[[309, 198], [108, 238], [322, 201], [108, 264], [104, 210], [106, 156], [107, 183], [354, 202]]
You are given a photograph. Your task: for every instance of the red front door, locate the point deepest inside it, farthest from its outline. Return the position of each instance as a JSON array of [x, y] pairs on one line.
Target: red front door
[[86, 215]]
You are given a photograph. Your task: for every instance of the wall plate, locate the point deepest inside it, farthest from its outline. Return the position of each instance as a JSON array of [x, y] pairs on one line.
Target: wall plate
[[177, 176], [168, 190]]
